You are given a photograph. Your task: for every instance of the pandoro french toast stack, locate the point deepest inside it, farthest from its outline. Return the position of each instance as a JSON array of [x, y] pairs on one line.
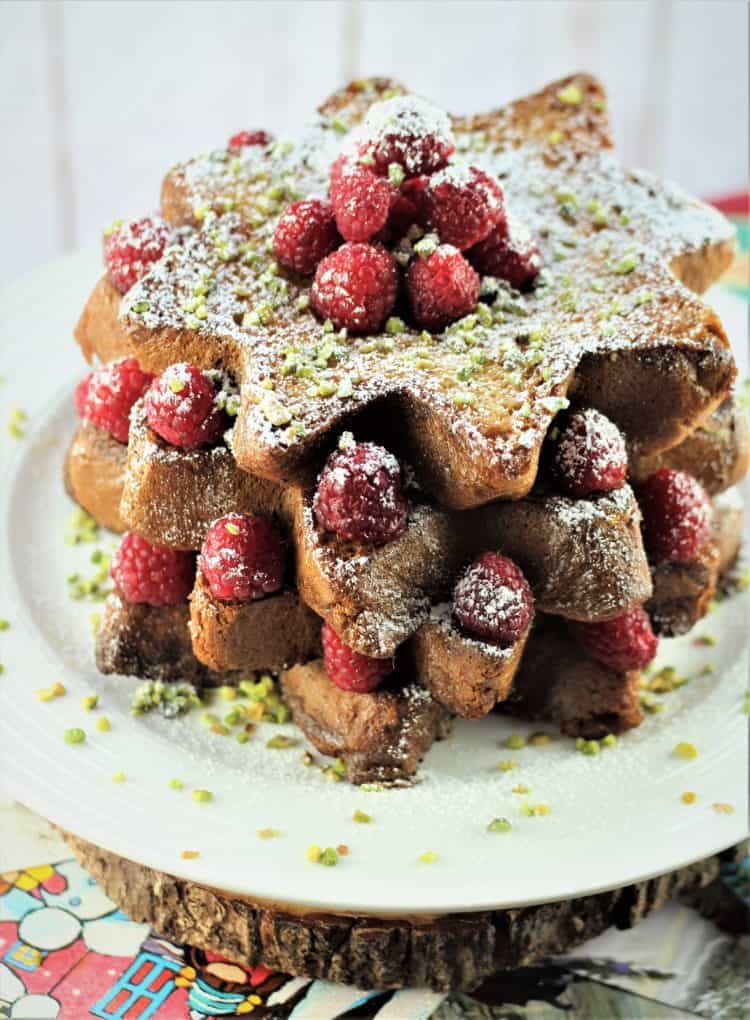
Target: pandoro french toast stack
[[421, 414]]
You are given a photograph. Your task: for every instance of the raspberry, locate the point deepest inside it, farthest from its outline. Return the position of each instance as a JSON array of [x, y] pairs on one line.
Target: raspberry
[[355, 287], [81, 393], [242, 558], [249, 138], [361, 200], [625, 643], [676, 516], [180, 407], [441, 288], [463, 205], [132, 247], [152, 573], [408, 131], [305, 233], [350, 670], [590, 454], [509, 253], [111, 393], [359, 495], [493, 599]]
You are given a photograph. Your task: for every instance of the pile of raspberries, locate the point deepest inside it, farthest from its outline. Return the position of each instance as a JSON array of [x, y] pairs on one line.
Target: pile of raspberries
[[395, 176]]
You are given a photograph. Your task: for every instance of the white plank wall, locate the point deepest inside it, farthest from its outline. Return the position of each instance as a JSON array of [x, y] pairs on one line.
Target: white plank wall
[[99, 97]]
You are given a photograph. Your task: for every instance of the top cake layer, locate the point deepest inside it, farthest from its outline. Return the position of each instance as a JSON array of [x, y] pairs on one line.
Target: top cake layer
[[608, 322]]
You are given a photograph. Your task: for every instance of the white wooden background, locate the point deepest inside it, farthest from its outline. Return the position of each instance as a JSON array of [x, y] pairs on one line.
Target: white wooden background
[[99, 97]]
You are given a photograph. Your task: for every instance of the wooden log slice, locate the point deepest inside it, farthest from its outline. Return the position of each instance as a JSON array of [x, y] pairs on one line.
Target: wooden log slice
[[454, 952]]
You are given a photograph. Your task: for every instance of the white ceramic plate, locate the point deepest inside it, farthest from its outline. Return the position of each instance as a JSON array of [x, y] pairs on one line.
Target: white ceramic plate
[[613, 819]]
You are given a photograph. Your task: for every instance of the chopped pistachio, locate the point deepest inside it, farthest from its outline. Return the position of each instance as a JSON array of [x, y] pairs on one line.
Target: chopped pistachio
[[722, 808], [515, 742], [396, 174], [74, 736], [428, 857], [499, 825], [506, 765], [176, 784], [362, 817], [268, 833], [190, 855], [685, 750], [520, 788], [280, 742], [202, 796], [540, 739], [689, 797], [571, 95], [90, 702], [329, 857], [119, 777], [103, 724]]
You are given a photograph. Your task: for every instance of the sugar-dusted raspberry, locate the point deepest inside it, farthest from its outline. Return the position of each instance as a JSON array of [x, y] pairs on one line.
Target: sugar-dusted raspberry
[[350, 670], [408, 131], [132, 247], [590, 454], [462, 204], [242, 558], [441, 288], [493, 599], [355, 287], [305, 234], [509, 253], [676, 516], [181, 408], [627, 642], [361, 200], [243, 138], [81, 393], [152, 573], [359, 495], [111, 393]]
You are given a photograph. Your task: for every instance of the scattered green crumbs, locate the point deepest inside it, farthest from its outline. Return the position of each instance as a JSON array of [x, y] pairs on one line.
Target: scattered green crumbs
[[4, 624], [362, 817], [119, 777], [328, 857], [506, 764], [96, 587], [90, 702], [202, 796], [81, 527], [428, 857], [16, 420], [176, 784], [56, 690], [280, 742], [103, 724], [170, 699], [515, 742], [74, 736], [535, 810], [499, 825]]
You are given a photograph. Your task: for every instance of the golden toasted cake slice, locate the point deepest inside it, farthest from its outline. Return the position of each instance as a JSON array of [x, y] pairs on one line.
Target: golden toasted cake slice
[[608, 321]]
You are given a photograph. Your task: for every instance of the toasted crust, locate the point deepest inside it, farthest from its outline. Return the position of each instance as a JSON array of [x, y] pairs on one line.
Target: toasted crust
[[99, 332], [465, 453], [381, 736], [94, 471], [171, 496], [271, 633], [466, 676], [558, 683], [151, 642], [717, 453]]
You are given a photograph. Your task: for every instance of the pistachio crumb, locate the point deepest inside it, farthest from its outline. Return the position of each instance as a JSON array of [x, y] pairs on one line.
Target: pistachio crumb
[[90, 702], [428, 857], [176, 784], [202, 796], [119, 777], [361, 816], [190, 855], [689, 797], [268, 833], [515, 742], [499, 825], [685, 750], [723, 808], [74, 736], [103, 724]]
